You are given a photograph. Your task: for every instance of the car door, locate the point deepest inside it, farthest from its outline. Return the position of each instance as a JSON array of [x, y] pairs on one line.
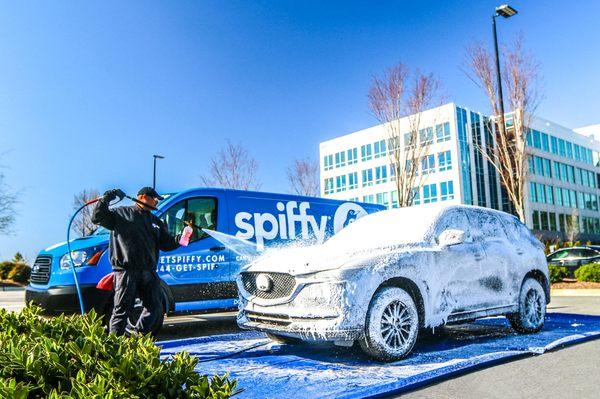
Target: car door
[[498, 268], [457, 267], [199, 271]]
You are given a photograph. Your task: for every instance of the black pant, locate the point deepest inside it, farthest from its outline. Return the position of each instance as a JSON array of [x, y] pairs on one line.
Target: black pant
[[130, 284]]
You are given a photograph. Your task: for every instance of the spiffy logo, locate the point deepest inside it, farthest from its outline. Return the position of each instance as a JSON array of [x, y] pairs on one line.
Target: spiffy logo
[[155, 226], [266, 226]]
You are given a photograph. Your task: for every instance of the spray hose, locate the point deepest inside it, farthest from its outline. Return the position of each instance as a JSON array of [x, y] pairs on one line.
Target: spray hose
[[90, 202]]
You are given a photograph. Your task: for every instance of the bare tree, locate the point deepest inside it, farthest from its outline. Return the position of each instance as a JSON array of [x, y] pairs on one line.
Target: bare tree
[[82, 225], [397, 98], [303, 177], [520, 74], [232, 167], [8, 201]]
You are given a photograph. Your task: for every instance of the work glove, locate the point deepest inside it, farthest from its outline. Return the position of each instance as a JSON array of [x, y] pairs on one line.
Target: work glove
[[112, 194]]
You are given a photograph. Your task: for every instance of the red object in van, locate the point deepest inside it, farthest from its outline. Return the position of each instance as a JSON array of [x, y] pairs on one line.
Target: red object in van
[[106, 283]]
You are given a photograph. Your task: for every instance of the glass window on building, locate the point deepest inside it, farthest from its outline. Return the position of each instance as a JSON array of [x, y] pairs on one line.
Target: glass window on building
[[381, 174], [393, 144], [537, 140], [428, 164], [446, 190], [561, 222], [576, 152], [531, 164], [382, 199], [426, 135], [554, 145], [365, 152], [532, 192], [367, 177], [416, 196], [563, 172], [329, 185], [340, 159], [569, 150], [444, 161], [547, 167], [552, 220], [544, 221], [578, 176], [529, 138], [394, 196], [539, 165], [369, 199], [545, 142], [566, 198], [442, 132], [410, 139], [393, 171], [580, 200], [561, 148], [340, 183], [429, 193], [536, 220], [328, 162], [352, 180], [550, 195], [352, 156], [571, 173], [557, 174], [541, 193], [573, 196], [379, 149], [558, 196]]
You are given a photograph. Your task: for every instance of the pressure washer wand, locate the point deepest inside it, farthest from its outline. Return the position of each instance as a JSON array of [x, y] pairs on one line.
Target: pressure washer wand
[[90, 202]]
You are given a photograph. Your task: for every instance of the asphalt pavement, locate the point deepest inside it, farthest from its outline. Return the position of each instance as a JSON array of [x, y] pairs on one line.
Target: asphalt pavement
[[572, 372]]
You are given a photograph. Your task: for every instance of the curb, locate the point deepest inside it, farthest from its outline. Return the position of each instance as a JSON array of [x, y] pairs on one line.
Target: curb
[[575, 292]]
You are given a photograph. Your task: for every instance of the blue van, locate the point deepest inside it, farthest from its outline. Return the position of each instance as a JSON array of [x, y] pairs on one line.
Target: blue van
[[201, 276]]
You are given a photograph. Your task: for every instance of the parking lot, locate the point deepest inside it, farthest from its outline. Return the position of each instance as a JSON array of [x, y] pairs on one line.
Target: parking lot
[[566, 373]]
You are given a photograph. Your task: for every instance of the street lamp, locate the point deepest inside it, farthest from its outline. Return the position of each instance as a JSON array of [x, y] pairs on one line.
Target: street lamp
[[154, 174], [505, 11]]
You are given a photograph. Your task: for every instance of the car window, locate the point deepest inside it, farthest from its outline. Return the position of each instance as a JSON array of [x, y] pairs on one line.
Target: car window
[[201, 211], [562, 254], [588, 253], [487, 226], [452, 220]]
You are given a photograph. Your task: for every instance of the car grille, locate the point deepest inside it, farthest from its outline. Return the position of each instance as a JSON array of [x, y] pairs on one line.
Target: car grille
[[272, 319], [282, 285], [40, 272]]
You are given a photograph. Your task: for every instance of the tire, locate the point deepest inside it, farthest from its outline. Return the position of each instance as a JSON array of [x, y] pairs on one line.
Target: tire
[[392, 325], [133, 318], [282, 339], [532, 308]]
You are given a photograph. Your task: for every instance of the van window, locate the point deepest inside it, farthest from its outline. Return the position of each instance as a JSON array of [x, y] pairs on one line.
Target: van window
[[452, 220], [488, 226], [201, 211]]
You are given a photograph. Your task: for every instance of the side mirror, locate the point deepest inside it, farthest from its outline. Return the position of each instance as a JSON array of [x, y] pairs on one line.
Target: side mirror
[[451, 237]]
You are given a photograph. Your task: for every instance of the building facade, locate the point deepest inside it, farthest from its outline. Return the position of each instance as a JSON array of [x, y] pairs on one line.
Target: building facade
[[562, 183]]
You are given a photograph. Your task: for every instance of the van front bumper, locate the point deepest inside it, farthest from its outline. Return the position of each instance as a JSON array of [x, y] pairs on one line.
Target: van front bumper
[[63, 299]]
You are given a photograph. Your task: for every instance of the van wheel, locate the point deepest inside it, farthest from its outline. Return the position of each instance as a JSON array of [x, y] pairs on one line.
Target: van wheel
[[532, 308], [392, 325], [134, 317], [282, 339]]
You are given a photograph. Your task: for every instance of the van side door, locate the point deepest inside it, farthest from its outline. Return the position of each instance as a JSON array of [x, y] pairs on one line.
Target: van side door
[[199, 271]]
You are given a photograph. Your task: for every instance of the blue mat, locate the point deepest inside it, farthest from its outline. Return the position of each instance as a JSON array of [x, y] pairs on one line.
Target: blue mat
[[267, 370]]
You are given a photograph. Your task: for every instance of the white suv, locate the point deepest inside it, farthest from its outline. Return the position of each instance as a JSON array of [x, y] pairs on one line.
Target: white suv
[[390, 273]]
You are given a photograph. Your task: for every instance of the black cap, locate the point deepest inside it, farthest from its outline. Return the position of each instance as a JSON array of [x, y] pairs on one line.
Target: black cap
[[150, 192]]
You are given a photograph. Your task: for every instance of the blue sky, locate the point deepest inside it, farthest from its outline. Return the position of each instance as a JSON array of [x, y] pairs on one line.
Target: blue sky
[[88, 92]]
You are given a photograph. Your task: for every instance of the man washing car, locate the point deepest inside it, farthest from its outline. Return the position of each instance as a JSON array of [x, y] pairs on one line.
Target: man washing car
[[136, 237]]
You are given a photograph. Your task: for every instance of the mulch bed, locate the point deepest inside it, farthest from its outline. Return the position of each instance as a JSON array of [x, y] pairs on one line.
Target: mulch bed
[[9, 283], [574, 285]]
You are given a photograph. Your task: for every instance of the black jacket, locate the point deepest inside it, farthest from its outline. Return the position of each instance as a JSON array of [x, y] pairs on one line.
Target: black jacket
[[136, 236]]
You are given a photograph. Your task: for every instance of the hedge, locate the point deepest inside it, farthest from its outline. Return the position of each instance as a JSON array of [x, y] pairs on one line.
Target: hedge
[[558, 273], [17, 271], [74, 357], [589, 272]]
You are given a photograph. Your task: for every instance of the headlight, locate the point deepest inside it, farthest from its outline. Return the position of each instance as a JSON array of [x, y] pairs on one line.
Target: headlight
[[89, 256]]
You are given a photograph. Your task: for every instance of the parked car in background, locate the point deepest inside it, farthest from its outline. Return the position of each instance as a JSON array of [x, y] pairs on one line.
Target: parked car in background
[[572, 258], [381, 279]]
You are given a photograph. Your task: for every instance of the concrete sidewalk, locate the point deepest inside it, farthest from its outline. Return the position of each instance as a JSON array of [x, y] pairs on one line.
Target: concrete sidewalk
[[575, 292]]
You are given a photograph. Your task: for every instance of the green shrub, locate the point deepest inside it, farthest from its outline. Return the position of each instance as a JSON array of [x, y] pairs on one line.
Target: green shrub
[[20, 273], [74, 357], [5, 268], [589, 272], [558, 273]]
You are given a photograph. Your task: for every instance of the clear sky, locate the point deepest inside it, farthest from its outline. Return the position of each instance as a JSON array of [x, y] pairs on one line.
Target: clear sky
[[88, 92]]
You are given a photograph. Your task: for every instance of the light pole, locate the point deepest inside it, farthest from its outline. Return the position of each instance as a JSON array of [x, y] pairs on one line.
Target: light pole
[[505, 11], [154, 174]]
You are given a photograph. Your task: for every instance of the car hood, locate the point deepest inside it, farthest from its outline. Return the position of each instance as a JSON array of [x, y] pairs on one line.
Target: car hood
[[318, 258], [78, 243]]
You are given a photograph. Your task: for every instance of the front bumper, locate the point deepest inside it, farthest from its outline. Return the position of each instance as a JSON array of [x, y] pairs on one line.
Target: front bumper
[[318, 311], [63, 299]]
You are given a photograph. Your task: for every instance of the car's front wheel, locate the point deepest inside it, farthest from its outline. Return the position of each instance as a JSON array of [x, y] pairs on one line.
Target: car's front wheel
[[392, 325], [532, 308]]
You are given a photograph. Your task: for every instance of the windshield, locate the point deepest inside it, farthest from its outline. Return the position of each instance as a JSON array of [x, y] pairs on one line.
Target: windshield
[[102, 231], [392, 227]]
